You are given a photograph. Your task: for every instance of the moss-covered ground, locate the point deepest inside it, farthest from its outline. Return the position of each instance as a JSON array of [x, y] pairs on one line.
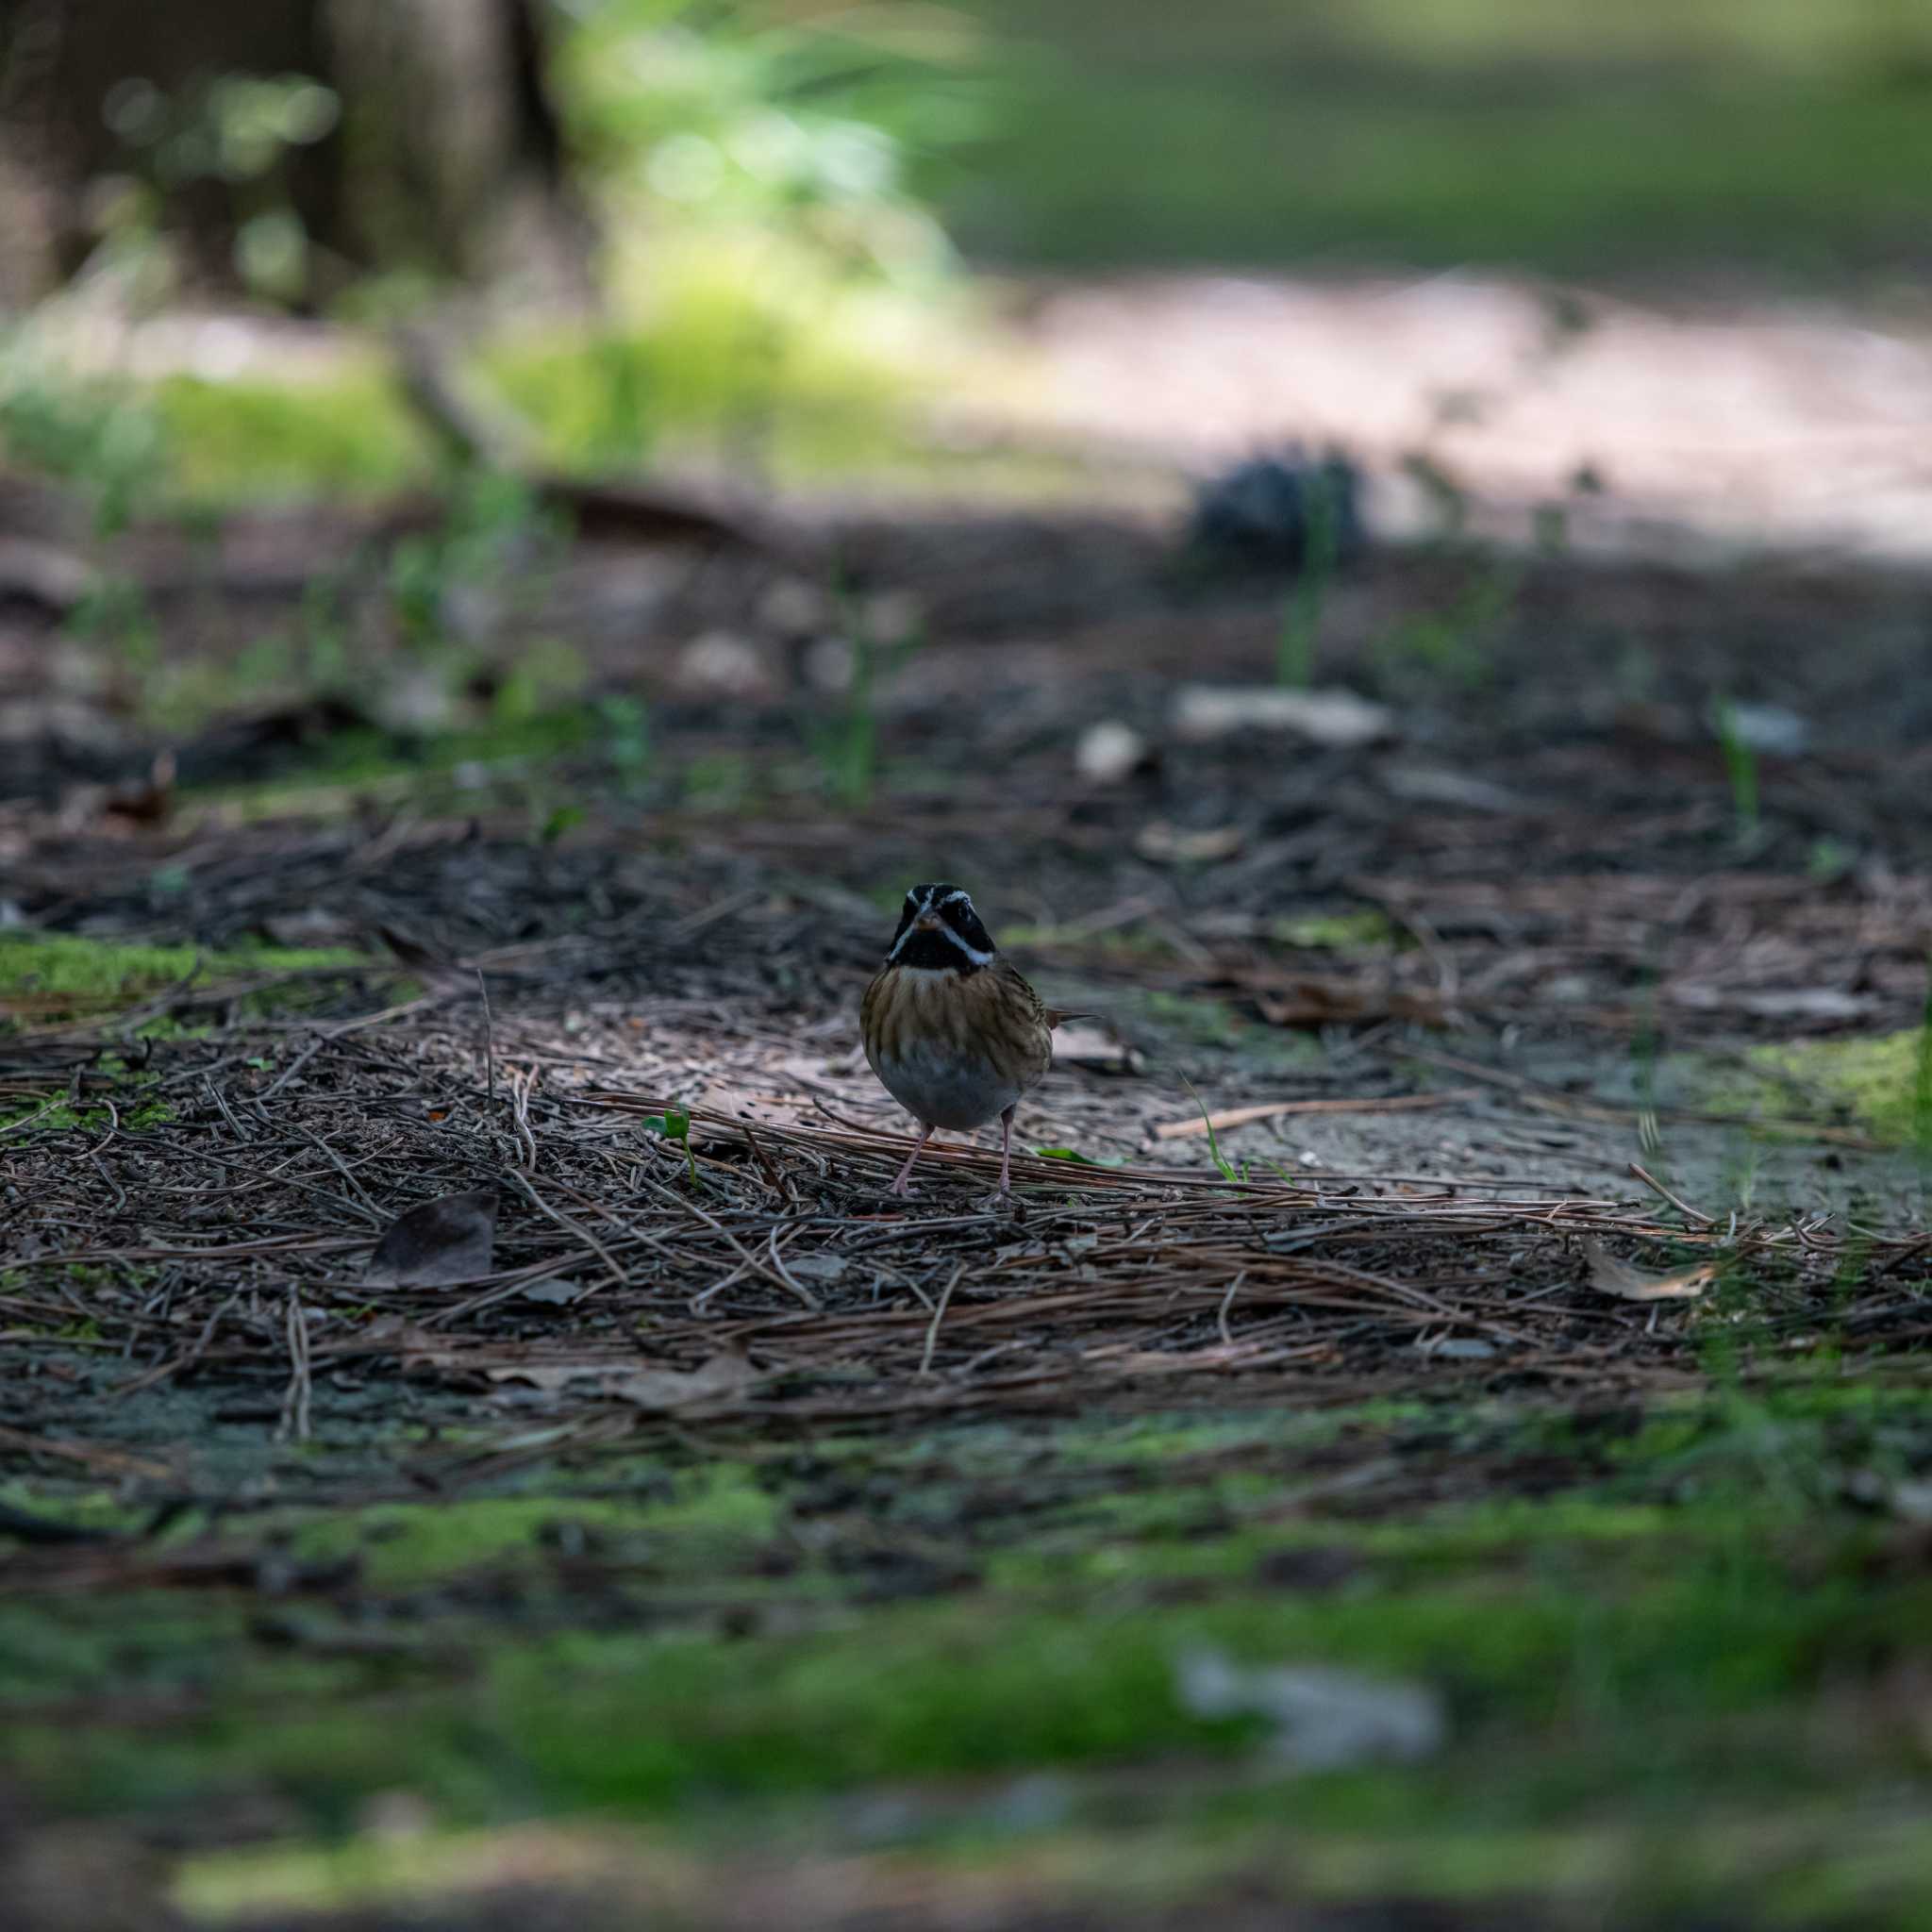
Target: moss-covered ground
[[63, 973], [1661, 1642]]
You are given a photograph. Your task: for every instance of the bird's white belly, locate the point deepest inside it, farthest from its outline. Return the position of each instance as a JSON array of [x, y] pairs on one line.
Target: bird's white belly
[[941, 1088]]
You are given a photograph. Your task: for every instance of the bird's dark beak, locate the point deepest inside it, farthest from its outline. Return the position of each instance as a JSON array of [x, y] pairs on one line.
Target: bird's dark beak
[[926, 922]]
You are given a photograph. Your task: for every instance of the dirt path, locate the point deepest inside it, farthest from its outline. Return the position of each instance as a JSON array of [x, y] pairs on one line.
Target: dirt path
[[1759, 425]]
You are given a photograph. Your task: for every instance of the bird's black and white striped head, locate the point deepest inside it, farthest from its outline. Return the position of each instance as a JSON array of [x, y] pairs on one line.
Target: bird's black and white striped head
[[940, 930]]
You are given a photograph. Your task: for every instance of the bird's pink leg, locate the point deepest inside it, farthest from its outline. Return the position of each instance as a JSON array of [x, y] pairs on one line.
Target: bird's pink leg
[[1007, 1151], [900, 1186]]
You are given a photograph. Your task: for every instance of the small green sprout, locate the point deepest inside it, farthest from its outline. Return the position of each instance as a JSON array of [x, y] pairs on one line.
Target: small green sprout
[[675, 1125], [1228, 1172], [1741, 766]]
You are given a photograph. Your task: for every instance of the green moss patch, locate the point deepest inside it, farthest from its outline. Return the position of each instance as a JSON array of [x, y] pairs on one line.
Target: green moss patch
[[1643, 1644], [1342, 932], [1565, 1644], [703, 1519], [350, 434], [718, 1633], [1882, 1083], [55, 975], [729, 344]]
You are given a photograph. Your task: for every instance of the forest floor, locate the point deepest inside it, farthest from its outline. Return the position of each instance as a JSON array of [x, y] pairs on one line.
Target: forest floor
[[1486, 1480]]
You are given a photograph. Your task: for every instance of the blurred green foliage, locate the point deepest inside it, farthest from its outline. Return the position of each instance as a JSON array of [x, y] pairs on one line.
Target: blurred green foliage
[[773, 182], [802, 118], [846, 743], [349, 436], [92, 432], [738, 345], [766, 257], [1454, 36], [715, 367], [1772, 135], [1683, 1623], [1740, 768], [231, 132]]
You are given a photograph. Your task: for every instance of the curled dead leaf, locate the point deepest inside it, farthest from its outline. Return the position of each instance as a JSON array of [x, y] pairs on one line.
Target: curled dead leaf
[[438, 1243], [149, 802], [551, 1377], [1308, 1000], [1166, 845], [724, 1374], [1335, 717], [1609, 1275], [1088, 1046], [1326, 1719]]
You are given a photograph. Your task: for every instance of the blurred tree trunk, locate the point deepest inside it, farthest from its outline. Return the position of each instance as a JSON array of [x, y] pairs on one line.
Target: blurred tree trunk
[[447, 157], [29, 203], [452, 154]]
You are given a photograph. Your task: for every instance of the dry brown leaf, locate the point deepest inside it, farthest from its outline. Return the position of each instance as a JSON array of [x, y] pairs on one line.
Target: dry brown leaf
[[38, 574], [1306, 1001], [550, 1377], [654, 1389], [724, 1375], [149, 801], [1336, 718], [437, 1244], [1609, 1275], [1166, 845], [1074, 1045], [1786, 1003]]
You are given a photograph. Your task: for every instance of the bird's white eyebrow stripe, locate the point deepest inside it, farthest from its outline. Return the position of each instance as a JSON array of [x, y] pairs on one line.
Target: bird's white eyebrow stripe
[[972, 953]]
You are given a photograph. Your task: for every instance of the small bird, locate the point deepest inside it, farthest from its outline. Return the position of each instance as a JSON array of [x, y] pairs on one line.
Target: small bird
[[954, 1032]]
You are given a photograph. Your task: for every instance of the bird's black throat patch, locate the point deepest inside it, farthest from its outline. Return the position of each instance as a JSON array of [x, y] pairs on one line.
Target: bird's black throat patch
[[936, 953]]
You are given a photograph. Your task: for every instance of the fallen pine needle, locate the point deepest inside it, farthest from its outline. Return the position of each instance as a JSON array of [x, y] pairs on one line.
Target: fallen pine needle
[[1197, 1124], [938, 1315]]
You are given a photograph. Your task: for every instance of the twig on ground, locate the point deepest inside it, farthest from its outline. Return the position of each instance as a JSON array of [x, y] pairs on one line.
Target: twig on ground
[[938, 1315], [1196, 1125]]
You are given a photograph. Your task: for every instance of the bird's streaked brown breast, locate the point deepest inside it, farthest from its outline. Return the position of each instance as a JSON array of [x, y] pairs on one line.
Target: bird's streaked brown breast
[[991, 1015]]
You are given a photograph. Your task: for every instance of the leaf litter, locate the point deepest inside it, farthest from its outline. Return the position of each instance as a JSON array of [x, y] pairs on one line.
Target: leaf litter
[[634, 1040]]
